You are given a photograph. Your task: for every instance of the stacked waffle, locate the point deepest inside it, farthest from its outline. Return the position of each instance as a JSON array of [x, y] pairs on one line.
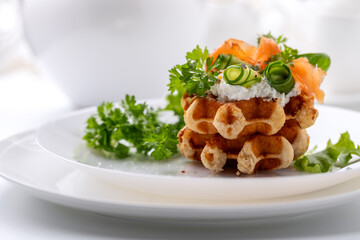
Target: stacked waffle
[[257, 133]]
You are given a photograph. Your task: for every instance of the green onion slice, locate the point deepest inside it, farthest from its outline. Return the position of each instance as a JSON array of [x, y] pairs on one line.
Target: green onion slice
[[279, 76], [241, 75]]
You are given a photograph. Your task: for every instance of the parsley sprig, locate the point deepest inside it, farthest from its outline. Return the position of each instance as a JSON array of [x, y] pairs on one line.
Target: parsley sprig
[[132, 127], [191, 76], [287, 55]]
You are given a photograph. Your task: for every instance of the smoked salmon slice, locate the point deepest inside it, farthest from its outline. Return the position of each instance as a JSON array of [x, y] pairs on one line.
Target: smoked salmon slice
[[248, 53], [309, 78]]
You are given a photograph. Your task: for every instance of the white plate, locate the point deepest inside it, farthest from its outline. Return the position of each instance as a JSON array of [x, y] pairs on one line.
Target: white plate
[[26, 164], [183, 178]]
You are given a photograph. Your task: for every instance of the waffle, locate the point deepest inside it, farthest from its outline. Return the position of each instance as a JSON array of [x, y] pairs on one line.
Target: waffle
[[257, 133], [252, 152], [239, 118]]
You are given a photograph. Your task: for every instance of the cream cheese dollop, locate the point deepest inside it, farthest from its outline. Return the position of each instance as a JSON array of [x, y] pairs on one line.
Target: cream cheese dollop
[[226, 92]]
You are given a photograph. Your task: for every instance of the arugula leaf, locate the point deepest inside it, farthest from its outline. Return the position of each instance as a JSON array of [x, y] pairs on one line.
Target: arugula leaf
[[191, 77], [321, 60], [339, 155], [115, 131]]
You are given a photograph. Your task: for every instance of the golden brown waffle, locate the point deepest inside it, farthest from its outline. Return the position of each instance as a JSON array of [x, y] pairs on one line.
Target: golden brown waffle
[[252, 151], [246, 117], [301, 108]]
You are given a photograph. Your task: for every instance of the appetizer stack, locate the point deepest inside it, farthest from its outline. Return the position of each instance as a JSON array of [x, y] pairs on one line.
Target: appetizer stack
[[256, 112]]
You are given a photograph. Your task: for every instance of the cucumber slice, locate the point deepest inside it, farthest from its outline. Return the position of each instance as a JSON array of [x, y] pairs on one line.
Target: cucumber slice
[[250, 83], [279, 76], [235, 61], [224, 60], [241, 74], [228, 63], [234, 74], [227, 60]]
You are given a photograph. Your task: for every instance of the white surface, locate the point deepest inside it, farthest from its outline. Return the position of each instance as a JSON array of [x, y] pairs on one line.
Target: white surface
[[63, 138], [22, 161], [26, 101], [10, 30], [125, 44]]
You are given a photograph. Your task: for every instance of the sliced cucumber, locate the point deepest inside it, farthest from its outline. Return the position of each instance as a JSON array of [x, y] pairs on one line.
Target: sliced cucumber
[[224, 60], [279, 76], [233, 74], [228, 60], [240, 75], [250, 83], [235, 61]]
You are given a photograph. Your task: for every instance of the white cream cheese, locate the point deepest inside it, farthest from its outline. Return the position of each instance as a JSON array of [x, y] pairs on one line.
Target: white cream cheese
[[227, 92]]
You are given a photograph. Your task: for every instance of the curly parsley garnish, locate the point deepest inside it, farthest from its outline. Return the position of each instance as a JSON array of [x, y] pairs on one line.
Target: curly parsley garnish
[[132, 127], [191, 77]]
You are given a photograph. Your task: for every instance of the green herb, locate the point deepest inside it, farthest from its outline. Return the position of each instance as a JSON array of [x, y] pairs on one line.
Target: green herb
[[116, 131], [339, 155], [287, 55], [278, 40], [191, 76]]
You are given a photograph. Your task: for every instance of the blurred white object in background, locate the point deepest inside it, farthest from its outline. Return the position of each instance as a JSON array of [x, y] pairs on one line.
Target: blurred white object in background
[[242, 19], [101, 50], [336, 31], [26, 98], [10, 30], [229, 19]]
